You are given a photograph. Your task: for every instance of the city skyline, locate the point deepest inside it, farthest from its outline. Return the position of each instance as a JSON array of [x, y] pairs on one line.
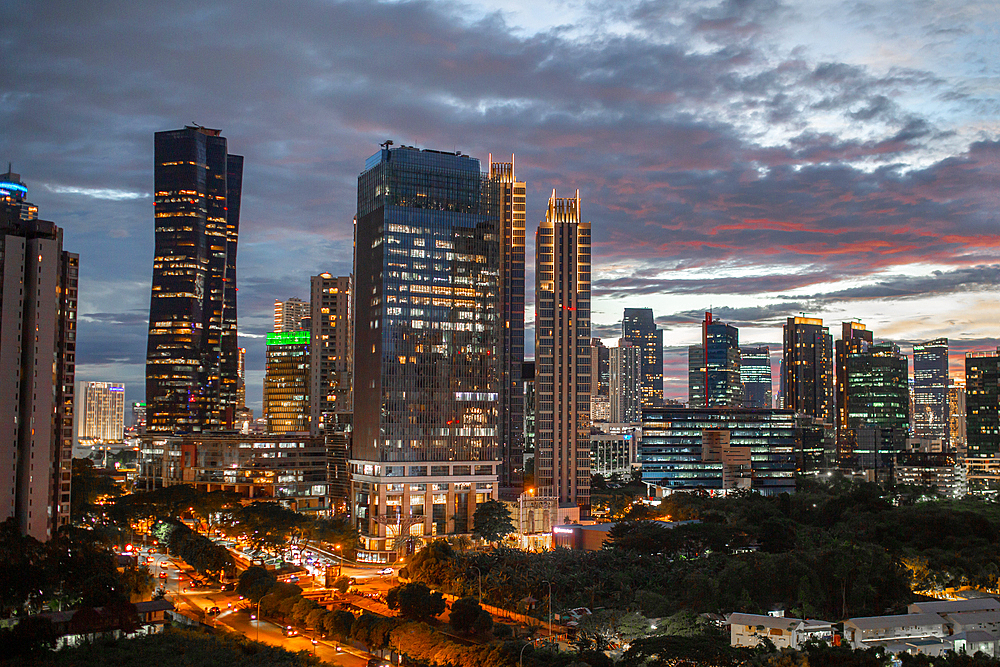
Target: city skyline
[[734, 159]]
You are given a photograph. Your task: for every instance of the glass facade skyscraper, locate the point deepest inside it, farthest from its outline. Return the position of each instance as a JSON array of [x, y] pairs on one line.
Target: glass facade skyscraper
[[854, 339], [982, 404], [755, 375], [714, 366], [639, 328], [807, 368], [428, 331], [286, 382], [192, 356], [878, 406], [930, 391]]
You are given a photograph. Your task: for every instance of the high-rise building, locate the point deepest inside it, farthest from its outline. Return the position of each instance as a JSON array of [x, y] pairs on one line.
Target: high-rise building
[[626, 382], [714, 366], [807, 373], [286, 382], [428, 321], [600, 368], [755, 376], [930, 391], [528, 382], [956, 416], [288, 315], [855, 338], [562, 353], [331, 362], [38, 284], [982, 404], [192, 353], [878, 406], [103, 412], [639, 328], [511, 418], [139, 417], [241, 374]]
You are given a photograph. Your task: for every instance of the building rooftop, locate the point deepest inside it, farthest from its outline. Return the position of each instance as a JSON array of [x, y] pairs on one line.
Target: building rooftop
[[896, 621], [954, 606]]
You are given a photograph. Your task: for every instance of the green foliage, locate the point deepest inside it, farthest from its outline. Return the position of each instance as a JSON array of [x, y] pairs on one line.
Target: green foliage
[[88, 485], [492, 521], [255, 583], [341, 584], [338, 623], [266, 525], [195, 549], [467, 617], [415, 601]]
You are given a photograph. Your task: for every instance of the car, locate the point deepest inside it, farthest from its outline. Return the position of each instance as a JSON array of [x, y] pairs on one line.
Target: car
[[228, 587], [150, 559], [213, 611], [289, 631], [152, 550], [163, 575], [385, 570], [163, 564]]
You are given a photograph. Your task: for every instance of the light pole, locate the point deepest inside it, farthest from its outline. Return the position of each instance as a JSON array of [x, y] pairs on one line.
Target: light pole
[[550, 606], [480, 583], [340, 560], [520, 657], [258, 617]]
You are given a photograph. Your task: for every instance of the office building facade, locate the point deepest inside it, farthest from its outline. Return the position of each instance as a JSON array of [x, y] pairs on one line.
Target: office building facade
[[755, 376], [331, 360], [103, 418], [562, 353], [639, 328], [719, 449], [38, 284], [714, 366], [982, 404], [956, 417], [511, 418], [286, 381], [192, 353], [930, 391], [428, 321], [625, 405], [807, 368], [288, 314], [878, 406], [855, 338]]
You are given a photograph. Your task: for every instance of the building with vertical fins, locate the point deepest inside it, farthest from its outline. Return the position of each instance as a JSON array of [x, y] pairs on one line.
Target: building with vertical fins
[[957, 435], [511, 418], [286, 381], [103, 418], [807, 373], [38, 284], [331, 362], [626, 382], [288, 315], [755, 376], [930, 391], [714, 366], [192, 353], [428, 331], [562, 353], [878, 406], [639, 328], [854, 339], [982, 404]]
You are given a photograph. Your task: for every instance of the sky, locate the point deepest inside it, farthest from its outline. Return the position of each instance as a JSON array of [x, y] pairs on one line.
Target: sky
[[759, 159]]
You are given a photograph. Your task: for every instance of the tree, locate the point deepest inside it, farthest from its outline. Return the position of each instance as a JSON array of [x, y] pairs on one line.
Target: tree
[[467, 617], [415, 600], [255, 583], [492, 521]]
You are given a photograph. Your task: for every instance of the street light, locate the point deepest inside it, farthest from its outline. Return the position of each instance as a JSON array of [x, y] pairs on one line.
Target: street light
[[480, 583], [258, 617], [520, 657], [550, 606], [340, 560]]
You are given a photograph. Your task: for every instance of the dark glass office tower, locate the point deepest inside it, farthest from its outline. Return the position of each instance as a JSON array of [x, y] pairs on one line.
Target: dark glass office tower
[[854, 339], [511, 429], [878, 405], [192, 356], [807, 369], [982, 404], [930, 391], [755, 375], [714, 366], [428, 320], [639, 329]]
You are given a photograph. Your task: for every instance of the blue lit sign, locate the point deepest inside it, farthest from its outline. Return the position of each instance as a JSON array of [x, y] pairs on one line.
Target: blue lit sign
[[7, 185]]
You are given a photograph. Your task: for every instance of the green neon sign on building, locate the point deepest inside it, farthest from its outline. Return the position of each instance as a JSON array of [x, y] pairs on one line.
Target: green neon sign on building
[[288, 338]]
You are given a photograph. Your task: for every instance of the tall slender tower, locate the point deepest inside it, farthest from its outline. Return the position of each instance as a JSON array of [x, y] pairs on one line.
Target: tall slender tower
[[854, 339], [192, 356], [331, 363], [562, 352], [714, 366], [930, 391], [625, 364], [38, 296], [511, 419], [807, 370], [755, 376], [288, 315], [639, 328], [982, 404], [428, 322]]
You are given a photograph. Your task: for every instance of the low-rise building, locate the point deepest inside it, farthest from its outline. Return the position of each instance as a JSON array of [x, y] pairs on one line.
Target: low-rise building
[[870, 631], [784, 632]]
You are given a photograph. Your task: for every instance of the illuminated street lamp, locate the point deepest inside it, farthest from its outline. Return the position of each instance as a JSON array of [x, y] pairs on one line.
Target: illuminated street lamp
[[480, 583]]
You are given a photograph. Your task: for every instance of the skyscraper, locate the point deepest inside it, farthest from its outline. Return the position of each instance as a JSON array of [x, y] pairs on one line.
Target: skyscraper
[[982, 404], [38, 284], [286, 381], [331, 363], [807, 373], [288, 315], [626, 382], [192, 354], [755, 375], [103, 412], [511, 418], [878, 406], [956, 417], [714, 366], [562, 353], [600, 368], [639, 328], [930, 391], [854, 339], [428, 322]]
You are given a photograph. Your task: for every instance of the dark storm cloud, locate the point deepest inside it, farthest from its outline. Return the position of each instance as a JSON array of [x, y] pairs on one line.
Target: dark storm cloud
[[936, 283], [662, 127]]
